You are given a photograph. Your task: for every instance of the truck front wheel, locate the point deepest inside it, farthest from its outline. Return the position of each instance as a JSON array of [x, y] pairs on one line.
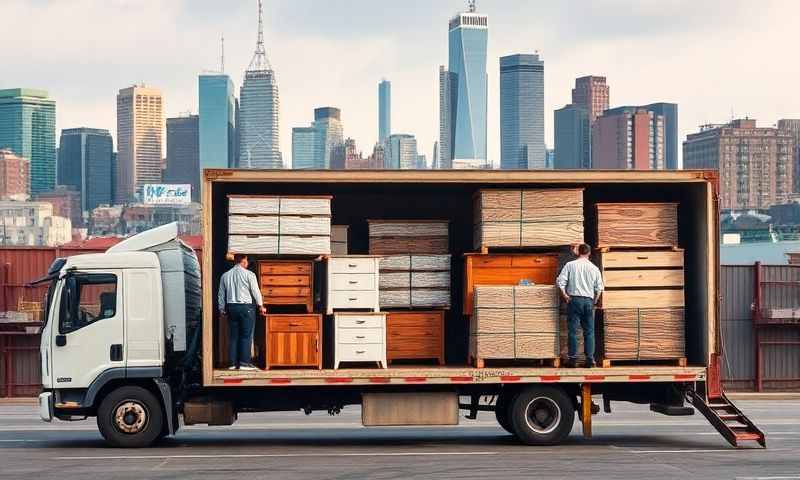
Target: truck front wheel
[[130, 417], [542, 415]]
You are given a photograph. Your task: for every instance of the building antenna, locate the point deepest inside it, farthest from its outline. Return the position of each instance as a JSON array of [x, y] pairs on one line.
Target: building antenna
[[222, 54], [260, 61], [471, 6]]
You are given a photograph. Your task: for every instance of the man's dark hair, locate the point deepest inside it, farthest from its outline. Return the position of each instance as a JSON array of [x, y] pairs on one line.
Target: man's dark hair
[[238, 257], [584, 249]]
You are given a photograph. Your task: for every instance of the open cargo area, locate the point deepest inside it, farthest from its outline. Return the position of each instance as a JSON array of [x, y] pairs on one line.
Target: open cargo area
[[359, 199]]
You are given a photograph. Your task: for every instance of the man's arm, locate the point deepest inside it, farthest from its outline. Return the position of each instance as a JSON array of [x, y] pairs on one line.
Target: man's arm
[[221, 294], [561, 282], [598, 286]]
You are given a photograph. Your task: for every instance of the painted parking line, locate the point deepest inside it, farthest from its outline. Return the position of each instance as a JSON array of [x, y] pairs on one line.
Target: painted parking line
[[276, 455]]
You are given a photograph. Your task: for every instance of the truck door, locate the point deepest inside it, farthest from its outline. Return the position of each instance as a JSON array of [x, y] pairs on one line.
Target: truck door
[[89, 336]]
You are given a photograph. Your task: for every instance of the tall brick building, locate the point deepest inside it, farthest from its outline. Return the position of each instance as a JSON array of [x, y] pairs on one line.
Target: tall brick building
[[592, 93], [14, 176], [628, 140], [756, 164]]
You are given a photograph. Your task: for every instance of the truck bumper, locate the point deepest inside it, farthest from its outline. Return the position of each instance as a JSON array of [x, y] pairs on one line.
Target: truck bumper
[[46, 406]]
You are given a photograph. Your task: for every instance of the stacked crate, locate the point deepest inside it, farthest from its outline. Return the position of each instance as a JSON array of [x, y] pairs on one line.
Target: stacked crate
[[642, 266], [528, 218], [415, 282], [279, 225], [515, 323]]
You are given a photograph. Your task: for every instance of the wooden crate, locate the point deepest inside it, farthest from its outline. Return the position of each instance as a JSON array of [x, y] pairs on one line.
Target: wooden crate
[[506, 269], [643, 334], [642, 279], [405, 237], [637, 225], [339, 236], [514, 323], [528, 218], [408, 281]]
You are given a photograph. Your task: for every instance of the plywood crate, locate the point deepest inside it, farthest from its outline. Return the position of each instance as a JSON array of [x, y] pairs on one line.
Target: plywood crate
[[637, 224], [411, 281], [643, 334], [528, 218], [514, 323], [279, 225], [642, 278], [406, 237]]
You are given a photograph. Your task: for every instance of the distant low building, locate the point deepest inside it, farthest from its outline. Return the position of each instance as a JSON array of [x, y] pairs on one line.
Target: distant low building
[[66, 203], [33, 224], [138, 217], [14, 176], [105, 220]]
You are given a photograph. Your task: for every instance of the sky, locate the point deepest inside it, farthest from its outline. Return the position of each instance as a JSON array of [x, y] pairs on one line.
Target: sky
[[715, 58]]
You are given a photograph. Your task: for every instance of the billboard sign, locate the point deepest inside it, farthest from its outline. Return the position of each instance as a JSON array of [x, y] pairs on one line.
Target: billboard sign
[[167, 194]]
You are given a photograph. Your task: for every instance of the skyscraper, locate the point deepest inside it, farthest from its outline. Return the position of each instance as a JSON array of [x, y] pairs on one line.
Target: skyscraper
[[384, 110], [465, 112], [522, 112], [328, 134], [140, 122], [84, 165], [793, 127], [593, 94], [632, 140], [28, 128], [573, 138], [755, 163], [446, 89], [259, 145], [435, 158], [183, 153], [217, 123], [402, 152], [669, 112], [303, 147]]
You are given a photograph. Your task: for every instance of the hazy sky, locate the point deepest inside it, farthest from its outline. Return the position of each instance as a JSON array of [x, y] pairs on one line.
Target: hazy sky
[[714, 58]]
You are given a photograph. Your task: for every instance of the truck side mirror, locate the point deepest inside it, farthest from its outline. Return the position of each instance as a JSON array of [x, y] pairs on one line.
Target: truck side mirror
[[61, 340]]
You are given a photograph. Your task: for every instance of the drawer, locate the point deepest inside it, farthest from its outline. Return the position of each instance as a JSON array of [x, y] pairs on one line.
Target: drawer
[[286, 291], [414, 319], [534, 261], [353, 298], [642, 259], [351, 265], [359, 321], [352, 281], [360, 353], [651, 298], [643, 278], [286, 280], [491, 261], [360, 336], [419, 332], [284, 268], [293, 323]]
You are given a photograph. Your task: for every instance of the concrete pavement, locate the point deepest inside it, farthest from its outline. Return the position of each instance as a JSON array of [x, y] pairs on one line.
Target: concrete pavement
[[630, 443]]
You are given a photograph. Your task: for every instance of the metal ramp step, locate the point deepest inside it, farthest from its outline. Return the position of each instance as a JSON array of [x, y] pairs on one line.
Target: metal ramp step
[[728, 420]]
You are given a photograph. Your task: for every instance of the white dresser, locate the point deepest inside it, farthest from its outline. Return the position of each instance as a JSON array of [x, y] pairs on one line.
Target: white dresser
[[359, 337], [352, 283]]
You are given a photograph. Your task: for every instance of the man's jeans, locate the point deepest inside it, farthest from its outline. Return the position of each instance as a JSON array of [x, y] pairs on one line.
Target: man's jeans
[[580, 311], [241, 323]]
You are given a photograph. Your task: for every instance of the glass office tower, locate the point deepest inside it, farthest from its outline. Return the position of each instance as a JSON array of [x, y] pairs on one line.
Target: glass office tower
[[217, 127], [384, 111], [522, 112], [28, 128]]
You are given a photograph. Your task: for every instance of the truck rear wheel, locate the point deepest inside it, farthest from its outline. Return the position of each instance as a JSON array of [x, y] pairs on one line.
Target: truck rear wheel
[[542, 415], [130, 417], [501, 411]]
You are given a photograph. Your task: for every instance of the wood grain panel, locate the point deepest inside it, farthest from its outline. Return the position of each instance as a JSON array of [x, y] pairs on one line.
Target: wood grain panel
[[535, 320], [431, 263], [498, 234], [305, 206], [395, 298], [295, 225], [407, 245], [637, 224], [430, 297], [492, 320], [642, 259], [293, 323], [286, 280], [533, 346], [535, 296], [540, 234], [252, 225], [650, 298], [253, 244], [643, 278], [499, 198], [253, 205], [304, 245], [395, 262], [285, 291], [430, 279], [552, 198], [339, 233], [553, 214], [284, 268], [492, 346], [644, 334], [408, 228], [395, 280]]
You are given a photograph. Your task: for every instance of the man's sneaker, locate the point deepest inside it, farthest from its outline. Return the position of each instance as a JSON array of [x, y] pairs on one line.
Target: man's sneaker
[[589, 364], [233, 367], [571, 363], [248, 366]]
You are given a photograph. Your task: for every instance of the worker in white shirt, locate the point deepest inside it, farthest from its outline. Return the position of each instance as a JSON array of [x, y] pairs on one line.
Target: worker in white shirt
[[580, 284], [238, 298]]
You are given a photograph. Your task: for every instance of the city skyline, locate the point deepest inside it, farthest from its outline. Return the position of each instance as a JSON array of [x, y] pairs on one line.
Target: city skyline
[[654, 36]]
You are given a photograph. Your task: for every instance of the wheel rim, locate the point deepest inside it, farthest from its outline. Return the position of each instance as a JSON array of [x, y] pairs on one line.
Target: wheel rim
[[130, 417], [543, 415]]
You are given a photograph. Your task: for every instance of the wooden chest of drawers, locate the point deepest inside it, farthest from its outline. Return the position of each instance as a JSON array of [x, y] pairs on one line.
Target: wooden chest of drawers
[[637, 224], [359, 337], [294, 341], [642, 279], [352, 283], [287, 282], [506, 269], [415, 336]]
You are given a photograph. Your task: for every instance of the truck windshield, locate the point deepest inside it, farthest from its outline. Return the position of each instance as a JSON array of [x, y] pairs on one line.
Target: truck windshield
[[48, 299]]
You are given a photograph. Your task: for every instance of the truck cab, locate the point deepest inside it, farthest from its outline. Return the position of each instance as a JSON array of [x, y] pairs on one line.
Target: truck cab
[[115, 335]]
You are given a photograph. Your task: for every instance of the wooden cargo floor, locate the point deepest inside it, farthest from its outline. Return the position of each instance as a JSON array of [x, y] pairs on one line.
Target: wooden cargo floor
[[457, 375]]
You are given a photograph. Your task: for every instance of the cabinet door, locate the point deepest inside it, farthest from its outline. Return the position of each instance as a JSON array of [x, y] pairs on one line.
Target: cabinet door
[[293, 349]]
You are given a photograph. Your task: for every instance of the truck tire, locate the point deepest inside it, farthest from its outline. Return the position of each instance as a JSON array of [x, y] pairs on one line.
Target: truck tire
[[130, 417], [542, 415], [501, 412]]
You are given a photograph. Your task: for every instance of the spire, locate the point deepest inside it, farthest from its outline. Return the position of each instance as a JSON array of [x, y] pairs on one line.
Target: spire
[[471, 6], [260, 61], [222, 55]]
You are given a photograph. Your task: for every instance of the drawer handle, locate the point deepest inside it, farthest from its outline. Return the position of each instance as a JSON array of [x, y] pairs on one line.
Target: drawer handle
[[353, 282], [360, 352], [295, 324], [360, 337], [352, 299], [351, 265], [642, 257], [361, 322]]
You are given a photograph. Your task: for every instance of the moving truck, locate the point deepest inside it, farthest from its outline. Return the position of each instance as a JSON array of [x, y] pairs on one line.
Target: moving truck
[[132, 336]]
